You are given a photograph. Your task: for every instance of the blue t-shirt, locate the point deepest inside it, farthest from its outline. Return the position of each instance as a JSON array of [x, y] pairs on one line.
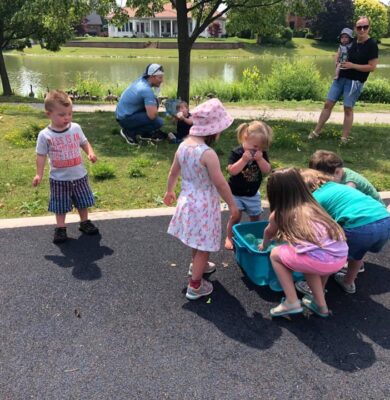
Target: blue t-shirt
[[134, 99], [349, 207]]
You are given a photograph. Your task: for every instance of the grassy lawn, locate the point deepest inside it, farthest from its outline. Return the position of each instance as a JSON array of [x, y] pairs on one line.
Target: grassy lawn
[[141, 172]]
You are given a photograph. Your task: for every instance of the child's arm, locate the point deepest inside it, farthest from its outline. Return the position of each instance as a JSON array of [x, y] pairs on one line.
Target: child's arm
[[350, 184], [263, 164], [89, 151], [269, 232], [337, 57], [187, 120], [174, 173], [41, 161], [238, 166], [211, 162]]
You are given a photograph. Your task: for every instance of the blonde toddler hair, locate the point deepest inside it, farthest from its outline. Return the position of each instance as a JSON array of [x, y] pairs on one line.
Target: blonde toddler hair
[[55, 97], [255, 129]]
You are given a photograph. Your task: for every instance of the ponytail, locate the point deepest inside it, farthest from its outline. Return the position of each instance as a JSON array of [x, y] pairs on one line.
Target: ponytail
[[242, 130]]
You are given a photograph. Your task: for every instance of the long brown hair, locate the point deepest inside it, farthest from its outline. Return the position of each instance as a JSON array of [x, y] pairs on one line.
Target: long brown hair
[[296, 211]]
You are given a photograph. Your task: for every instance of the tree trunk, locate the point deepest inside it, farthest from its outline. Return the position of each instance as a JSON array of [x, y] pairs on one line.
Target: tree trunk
[[4, 76], [184, 47]]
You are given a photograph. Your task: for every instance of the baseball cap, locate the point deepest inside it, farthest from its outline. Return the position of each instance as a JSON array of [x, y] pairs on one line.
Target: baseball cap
[[153, 70]]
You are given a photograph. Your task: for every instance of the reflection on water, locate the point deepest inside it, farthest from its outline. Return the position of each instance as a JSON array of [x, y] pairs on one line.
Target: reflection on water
[[54, 72]]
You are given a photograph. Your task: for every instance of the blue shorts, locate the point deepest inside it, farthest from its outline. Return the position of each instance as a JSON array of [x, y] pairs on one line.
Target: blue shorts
[[250, 204], [349, 89], [65, 194], [371, 237]]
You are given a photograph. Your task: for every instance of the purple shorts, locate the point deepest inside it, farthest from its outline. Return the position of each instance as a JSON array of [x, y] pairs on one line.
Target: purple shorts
[[301, 262]]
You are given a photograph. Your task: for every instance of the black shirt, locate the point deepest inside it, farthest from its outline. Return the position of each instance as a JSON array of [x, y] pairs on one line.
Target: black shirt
[[360, 53], [182, 128], [248, 181]]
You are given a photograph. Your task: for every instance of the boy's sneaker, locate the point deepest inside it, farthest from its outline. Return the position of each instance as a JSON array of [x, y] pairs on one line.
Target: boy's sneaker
[[303, 287], [172, 137], [349, 288], [88, 228], [204, 289], [60, 235], [158, 136], [129, 140], [345, 269], [210, 268]]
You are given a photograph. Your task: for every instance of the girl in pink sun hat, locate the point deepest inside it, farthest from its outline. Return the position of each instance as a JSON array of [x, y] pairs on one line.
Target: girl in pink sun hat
[[197, 219]]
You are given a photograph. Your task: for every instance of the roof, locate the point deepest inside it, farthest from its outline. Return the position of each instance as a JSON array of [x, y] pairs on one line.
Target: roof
[[94, 19]]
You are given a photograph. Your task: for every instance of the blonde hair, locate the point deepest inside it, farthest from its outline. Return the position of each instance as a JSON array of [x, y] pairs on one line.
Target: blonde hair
[[255, 129], [296, 211], [314, 179], [55, 97]]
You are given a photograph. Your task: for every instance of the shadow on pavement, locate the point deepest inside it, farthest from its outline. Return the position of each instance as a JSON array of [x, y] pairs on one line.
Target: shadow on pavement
[[230, 317], [81, 254]]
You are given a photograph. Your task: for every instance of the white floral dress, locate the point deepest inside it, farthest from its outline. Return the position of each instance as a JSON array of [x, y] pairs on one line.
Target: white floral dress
[[197, 219]]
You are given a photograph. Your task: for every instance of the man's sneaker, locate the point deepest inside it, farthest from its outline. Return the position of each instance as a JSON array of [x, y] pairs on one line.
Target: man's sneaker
[[88, 228], [210, 268], [303, 287], [349, 288], [60, 235], [204, 289], [129, 140], [345, 269]]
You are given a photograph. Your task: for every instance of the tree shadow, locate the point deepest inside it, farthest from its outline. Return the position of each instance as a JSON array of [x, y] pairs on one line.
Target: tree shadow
[[81, 255], [230, 317]]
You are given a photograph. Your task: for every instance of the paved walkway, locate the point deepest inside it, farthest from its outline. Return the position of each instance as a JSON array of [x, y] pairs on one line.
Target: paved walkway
[[265, 113]]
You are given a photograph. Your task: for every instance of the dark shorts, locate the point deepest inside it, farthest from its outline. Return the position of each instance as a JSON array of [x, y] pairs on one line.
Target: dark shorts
[[66, 194], [367, 238]]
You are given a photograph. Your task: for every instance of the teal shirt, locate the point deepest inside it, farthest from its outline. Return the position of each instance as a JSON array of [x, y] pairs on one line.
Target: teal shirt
[[349, 207], [360, 182]]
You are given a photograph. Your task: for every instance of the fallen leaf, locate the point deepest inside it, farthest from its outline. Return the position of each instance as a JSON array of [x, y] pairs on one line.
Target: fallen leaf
[[208, 300], [225, 265], [77, 313]]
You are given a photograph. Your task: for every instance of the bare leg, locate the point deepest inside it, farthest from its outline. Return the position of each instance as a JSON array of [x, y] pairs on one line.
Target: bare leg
[[324, 116], [316, 285], [200, 259], [324, 280], [254, 218], [352, 271], [348, 121], [83, 212], [285, 277], [60, 220], [229, 231]]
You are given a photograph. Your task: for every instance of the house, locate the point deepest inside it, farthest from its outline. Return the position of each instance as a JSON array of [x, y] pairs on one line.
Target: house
[[296, 22], [93, 24], [163, 24]]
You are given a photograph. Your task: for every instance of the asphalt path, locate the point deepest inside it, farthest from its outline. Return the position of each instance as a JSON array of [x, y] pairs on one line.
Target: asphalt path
[[106, 317]]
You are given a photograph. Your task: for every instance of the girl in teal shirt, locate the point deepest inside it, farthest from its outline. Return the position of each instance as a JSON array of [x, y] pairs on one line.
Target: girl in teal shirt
[[365, 221]]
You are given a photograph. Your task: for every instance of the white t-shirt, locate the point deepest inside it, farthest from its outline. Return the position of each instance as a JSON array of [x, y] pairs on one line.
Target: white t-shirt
[[63, 151]]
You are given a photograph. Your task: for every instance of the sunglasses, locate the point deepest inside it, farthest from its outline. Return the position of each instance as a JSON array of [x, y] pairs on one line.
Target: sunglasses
[[362, 27]]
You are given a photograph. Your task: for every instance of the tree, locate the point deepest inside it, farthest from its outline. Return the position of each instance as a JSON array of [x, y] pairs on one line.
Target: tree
[[49, 22], [377, 13], [337, 14], [204, 13]]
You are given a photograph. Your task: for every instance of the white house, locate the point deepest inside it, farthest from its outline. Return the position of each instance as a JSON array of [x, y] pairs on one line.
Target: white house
[[163, 24]]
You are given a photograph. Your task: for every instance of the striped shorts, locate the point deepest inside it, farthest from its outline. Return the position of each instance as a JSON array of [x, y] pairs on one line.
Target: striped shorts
[[66, 194]]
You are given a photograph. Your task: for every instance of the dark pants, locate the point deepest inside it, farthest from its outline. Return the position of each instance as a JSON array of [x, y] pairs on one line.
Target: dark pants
[[140, 124]]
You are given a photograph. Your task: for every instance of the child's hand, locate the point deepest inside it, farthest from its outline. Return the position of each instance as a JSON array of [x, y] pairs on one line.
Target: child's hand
[[261, 246], [92, 157], [247, 156], [169, 198], [179, 115], [37, 180], [258, 155]]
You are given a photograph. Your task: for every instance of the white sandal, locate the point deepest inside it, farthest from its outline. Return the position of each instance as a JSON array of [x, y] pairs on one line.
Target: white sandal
[[313, 135]]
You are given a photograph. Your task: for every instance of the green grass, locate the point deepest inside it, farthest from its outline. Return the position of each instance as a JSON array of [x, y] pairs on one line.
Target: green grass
[[141, 172]]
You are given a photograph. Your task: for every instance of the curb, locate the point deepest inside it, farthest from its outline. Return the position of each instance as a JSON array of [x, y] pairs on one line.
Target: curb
[[9, 223]]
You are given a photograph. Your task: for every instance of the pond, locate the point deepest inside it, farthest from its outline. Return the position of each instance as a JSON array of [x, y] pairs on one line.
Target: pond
[[56, 72]]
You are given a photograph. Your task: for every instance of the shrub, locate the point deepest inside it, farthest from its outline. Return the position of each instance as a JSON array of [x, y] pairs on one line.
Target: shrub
[[287, 33], [376, 91], [135, 172], [103, 171], [297, 80], [26, 136]]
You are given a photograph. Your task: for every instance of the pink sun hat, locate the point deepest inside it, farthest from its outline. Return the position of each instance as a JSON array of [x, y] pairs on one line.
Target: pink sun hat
[[210, 118]]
